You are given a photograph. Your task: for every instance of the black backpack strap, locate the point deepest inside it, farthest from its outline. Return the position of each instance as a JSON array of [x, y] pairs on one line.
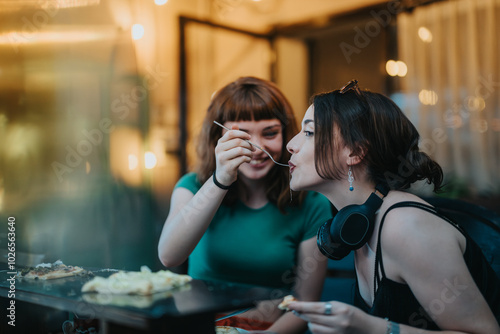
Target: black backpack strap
[[378, 253]]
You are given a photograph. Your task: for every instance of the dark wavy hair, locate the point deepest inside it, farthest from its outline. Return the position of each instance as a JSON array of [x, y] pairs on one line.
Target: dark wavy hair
[[374, 128], [249, 99]]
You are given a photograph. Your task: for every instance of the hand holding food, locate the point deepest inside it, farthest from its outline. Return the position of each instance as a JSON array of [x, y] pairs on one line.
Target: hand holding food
[[286, 301], [232, 150]]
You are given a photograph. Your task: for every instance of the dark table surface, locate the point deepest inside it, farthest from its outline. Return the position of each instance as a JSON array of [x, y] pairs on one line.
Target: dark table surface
[[195, 298]]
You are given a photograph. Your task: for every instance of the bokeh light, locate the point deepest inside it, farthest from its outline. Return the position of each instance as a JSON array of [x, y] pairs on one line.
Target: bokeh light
[[150, 160], [137, 31], [428, 97], [396, 68], [425, 34]]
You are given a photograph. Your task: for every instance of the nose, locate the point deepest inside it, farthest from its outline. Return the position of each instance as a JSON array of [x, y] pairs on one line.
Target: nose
[[256, 140], [291, 147]]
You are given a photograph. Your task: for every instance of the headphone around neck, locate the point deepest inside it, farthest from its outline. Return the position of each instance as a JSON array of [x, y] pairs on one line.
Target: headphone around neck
[[351, 227]]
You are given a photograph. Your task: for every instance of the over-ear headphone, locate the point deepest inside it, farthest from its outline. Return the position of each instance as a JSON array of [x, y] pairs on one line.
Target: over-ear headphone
[[351, 227]]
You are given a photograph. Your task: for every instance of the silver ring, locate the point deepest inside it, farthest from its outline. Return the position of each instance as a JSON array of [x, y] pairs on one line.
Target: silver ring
[[328, 308]]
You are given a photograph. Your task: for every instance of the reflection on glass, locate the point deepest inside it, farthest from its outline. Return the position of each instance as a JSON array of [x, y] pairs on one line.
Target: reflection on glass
[[475, 103], [73, 107]]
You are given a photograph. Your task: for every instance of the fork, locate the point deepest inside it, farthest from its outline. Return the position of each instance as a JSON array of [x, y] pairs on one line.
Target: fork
[[255, 145]]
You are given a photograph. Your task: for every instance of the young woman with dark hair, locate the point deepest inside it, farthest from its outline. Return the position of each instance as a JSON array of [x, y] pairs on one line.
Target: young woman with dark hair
[[416, 271], [235, 217]]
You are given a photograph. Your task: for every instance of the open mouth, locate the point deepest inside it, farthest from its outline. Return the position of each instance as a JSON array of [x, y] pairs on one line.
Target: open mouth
[[257, 161]]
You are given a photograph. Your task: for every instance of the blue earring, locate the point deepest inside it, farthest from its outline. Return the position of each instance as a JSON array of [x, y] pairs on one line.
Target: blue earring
[[350, 178]]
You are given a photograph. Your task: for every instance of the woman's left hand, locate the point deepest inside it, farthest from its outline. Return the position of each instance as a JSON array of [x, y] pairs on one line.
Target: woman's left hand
[[330, 317]]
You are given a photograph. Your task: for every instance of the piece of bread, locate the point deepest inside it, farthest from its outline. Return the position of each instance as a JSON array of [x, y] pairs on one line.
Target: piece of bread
[[144, 282], [286, 301], [225, 330]]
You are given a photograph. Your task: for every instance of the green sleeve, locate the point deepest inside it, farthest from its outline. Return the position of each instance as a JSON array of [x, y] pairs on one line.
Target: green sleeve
[[318, 210], [190, 182]]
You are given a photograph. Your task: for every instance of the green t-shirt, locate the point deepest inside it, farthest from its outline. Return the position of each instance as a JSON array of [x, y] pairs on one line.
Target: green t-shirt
[[255, 246]]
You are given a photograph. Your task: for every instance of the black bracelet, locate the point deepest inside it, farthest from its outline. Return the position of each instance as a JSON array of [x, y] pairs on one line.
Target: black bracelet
[[223, 187]]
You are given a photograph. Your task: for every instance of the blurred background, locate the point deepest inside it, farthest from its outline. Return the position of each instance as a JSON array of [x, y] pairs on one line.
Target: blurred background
[[101, 101]]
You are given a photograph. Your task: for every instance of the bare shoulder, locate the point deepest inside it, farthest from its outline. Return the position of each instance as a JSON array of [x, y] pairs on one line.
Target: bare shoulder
[[403, 219], [400, 196], [410, 230], [413, 240]]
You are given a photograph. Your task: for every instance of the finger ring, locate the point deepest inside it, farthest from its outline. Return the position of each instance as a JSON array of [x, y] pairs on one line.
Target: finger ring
[[328, 308]]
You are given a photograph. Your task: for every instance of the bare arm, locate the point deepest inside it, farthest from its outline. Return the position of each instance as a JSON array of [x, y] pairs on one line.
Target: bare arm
[[190, 214], [311, 272], [426, 254], [188, 219]]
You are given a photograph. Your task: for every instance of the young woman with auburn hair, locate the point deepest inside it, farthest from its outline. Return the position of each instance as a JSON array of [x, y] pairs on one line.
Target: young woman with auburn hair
[[235, 217]]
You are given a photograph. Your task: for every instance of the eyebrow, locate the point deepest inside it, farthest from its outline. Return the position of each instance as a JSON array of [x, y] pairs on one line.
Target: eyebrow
[[265, 129], [307, 121], [272, 126]]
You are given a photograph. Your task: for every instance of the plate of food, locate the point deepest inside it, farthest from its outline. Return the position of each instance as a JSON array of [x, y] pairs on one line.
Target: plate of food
[[50, 271], [144, 282], [229, 330]]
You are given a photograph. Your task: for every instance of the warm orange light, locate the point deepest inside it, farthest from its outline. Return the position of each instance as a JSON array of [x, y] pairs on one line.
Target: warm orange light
[[58, 34], [396, 68], [425, 34], [392, 68], [428, 97], [402, 68]]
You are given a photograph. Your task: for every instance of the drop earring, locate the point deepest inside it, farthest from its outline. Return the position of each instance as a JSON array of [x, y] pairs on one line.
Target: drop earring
[[350, 178]]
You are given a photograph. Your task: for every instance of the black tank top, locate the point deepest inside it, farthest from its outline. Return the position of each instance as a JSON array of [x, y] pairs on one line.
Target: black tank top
[[396, 301]]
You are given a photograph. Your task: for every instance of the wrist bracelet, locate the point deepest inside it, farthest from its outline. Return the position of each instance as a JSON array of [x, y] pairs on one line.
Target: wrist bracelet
[[392, 327], [223, 187]]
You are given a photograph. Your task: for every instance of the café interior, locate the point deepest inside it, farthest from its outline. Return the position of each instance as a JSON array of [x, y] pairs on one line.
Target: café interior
[[101, 101]]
